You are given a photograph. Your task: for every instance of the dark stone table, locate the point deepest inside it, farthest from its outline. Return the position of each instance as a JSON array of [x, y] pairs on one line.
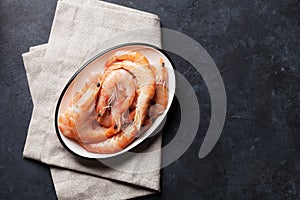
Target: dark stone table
[[256, 47]]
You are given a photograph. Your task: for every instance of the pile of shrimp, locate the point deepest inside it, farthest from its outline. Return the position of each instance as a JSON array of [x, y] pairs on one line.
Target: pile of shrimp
[[114, 107]]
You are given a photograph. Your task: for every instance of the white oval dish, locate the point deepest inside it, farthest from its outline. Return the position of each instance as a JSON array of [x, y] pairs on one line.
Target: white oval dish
[[96, 64]]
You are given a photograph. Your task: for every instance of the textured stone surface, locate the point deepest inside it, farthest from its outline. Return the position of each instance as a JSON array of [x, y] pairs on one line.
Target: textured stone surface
[[256, 46]]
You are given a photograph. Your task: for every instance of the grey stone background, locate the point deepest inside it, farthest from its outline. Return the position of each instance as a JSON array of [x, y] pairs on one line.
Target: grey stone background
[[256, 46]]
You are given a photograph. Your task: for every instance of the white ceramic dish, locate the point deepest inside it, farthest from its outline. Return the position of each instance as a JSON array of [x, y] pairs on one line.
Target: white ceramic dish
[[96, 64]]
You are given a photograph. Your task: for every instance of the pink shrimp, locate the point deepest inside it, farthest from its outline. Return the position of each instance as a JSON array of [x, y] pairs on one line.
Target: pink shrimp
[[78, 121], [160, 99], [146, 89], [133, 56], [117, 93], [115, 143]]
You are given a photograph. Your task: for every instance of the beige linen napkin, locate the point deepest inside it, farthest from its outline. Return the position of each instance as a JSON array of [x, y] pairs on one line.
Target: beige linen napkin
[[73, 185], [79, 31]]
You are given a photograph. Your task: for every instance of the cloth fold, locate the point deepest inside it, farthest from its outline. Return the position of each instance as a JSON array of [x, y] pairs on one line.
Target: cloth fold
[[80, 30]]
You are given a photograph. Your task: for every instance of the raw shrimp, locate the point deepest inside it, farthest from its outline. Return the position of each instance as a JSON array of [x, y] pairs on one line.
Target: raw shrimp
[[117, 93], [146, 89], [78, 121], [133, 56]]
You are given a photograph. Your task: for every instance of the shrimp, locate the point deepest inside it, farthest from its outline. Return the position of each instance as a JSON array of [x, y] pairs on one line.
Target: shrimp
[[93, 77], [117, 92], [78, 121], [116, 143], [133, 56], [66, 119], [160, 99], [146, 89], [113, 108]]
